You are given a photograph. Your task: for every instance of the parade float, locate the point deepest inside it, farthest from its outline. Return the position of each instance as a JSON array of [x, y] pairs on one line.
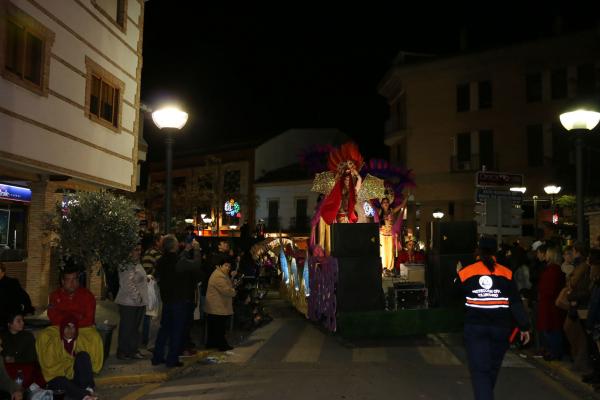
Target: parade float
[[334, 277]]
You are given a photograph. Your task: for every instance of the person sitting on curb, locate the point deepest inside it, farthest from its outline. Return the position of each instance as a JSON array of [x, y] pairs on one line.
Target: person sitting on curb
[[73, 302], [19, 352], [8, 388], [68, 361]]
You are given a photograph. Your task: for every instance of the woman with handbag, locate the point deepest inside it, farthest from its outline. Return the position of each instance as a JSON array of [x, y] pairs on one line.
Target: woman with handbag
[[550, 318]]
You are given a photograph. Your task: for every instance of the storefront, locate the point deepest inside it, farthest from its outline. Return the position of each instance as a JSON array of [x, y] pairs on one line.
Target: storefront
[[14, 211]]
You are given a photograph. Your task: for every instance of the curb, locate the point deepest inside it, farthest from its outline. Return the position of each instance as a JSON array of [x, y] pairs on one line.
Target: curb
[[559, 369], [153, 376]]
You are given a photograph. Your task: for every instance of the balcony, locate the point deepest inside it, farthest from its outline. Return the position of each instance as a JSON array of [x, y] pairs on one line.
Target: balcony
[[475, 163]]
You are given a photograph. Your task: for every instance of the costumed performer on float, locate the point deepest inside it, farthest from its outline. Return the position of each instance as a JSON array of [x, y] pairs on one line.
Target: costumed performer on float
[[390, 224], [340, 200], [343, 188]]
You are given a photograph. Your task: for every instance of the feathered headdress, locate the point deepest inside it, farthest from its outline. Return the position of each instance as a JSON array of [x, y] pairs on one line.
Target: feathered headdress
[[339, 158]]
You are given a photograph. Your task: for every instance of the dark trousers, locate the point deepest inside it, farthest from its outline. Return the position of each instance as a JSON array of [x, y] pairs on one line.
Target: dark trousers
[[215, 331], [189, 322], [82, 379], [146, 329], [486, 346], [171, 329], [553, 342], [129, 329]]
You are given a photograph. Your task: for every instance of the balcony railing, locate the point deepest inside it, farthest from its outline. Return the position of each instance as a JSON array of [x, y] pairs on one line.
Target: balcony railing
[[475, 163]]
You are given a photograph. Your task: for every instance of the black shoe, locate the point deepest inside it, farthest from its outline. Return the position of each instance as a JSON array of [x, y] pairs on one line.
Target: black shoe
[[123, 357], [157, 362], [177, 364], [225, 348]]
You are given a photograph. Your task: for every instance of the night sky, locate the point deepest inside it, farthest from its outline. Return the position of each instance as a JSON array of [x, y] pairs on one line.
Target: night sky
[[246, 72]]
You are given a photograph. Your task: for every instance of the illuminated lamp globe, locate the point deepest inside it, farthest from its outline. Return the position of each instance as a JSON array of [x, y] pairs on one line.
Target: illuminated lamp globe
[[169, 117], [552, 189], [518, 189], [438, 214], [580, 119]]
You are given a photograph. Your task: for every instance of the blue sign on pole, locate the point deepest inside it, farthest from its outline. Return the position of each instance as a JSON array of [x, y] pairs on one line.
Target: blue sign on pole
[[15, 193]]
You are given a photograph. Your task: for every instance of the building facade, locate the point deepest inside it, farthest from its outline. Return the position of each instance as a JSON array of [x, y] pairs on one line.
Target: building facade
[[284, 200], [70, 76], [202, 183], [496, 110]]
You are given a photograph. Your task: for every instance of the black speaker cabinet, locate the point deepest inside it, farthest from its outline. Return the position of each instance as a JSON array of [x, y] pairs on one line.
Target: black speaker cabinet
[[453, 237], [354, 240], [441, 272], [359, 285]]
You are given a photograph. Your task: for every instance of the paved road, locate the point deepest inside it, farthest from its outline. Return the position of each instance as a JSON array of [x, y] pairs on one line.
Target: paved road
[[293, 359]]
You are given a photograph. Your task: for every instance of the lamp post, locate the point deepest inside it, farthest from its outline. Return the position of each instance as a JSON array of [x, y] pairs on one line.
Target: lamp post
[[171, 120], [579, 121], [552, 190]]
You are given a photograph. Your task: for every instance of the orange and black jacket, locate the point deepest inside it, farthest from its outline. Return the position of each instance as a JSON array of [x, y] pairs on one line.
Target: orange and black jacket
[[492, 298]]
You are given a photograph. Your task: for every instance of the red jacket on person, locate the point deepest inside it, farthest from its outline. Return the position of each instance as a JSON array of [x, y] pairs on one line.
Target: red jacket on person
[[81, 304], [550, 317]]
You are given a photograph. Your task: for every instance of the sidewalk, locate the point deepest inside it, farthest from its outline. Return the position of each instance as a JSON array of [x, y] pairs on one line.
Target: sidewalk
[[562, 370]]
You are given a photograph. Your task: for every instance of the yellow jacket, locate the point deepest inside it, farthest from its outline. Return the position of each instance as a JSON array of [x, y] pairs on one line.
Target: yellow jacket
[[54, 359]]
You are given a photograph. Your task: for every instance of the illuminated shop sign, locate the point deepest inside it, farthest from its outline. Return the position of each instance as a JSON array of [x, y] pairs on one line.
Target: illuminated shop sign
[[15, 193]]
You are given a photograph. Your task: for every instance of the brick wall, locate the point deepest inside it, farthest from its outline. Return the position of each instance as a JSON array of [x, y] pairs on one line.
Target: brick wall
[[42, 270]]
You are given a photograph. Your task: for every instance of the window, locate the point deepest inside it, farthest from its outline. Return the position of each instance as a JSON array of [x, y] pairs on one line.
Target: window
[[463, 101], [535, 145], [104, 96], [114, 10], [533, 87], [561, 147], [463, 147], [485, 94], [558, 84], [586, 79], [301, 213], [25, 49], [273, 218], [486, 149]]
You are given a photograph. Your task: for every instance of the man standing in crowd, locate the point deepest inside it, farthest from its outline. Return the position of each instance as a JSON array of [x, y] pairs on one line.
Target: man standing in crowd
[[13, 298]]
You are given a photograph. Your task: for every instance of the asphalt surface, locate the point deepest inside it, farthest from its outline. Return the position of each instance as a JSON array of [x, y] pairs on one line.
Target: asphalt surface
[[291, 358]]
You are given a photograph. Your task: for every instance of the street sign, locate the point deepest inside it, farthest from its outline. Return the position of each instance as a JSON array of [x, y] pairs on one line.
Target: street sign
[[498, 179], [484, 194]]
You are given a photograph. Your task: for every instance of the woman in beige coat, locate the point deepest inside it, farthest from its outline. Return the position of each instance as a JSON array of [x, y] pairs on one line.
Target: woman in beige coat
[[219, 304]]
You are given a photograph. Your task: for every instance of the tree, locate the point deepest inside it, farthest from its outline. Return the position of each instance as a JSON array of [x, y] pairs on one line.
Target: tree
[[96, 227]]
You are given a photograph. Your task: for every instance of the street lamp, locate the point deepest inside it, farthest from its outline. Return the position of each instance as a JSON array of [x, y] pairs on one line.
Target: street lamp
[[171, 119], [580, 122], [518, 189], [553, 190], [438, 214]]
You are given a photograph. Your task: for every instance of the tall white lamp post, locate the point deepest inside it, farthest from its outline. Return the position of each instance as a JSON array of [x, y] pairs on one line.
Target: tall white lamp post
[[171, 120], [579, 122]]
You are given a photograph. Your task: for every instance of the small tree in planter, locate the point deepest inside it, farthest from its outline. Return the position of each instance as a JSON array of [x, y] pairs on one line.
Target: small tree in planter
[[96, 227]]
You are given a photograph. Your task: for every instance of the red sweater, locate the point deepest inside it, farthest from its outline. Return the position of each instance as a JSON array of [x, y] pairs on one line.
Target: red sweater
[[81, 304]]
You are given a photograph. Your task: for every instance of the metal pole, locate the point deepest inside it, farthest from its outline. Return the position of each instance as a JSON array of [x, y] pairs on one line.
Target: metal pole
[[579, 184], [535, 230], [169, 146]]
